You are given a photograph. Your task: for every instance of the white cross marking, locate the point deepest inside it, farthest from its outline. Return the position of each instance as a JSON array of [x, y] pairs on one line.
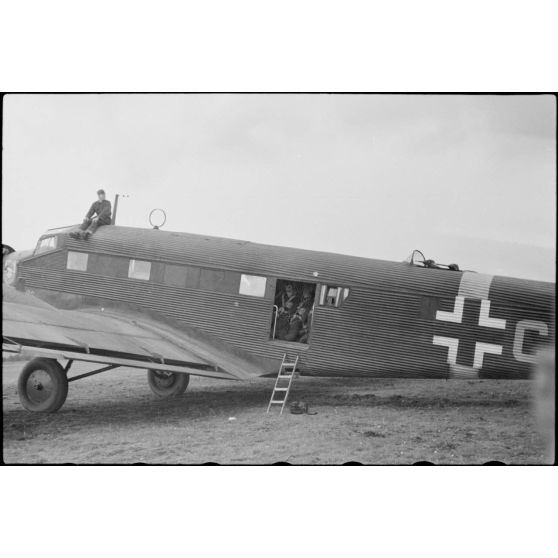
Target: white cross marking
[[481, 349], [452, 345], [457, 315], [485, 319]]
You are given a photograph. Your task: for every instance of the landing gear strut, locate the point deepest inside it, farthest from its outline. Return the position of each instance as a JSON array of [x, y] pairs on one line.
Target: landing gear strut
[[42, 385]]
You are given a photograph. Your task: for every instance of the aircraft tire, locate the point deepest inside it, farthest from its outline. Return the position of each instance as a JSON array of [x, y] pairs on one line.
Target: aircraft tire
[[42, 385], [167, 384]]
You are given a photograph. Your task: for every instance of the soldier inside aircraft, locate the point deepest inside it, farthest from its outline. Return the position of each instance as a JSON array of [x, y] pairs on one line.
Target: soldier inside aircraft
[[288, 294], [294, 302], [291, 330]]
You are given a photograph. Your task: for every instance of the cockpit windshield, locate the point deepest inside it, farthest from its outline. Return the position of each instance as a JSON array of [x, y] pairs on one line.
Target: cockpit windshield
[[46, 244]]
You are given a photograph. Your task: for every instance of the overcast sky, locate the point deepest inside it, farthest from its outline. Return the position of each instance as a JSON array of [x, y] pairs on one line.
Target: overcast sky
[[466, 179]]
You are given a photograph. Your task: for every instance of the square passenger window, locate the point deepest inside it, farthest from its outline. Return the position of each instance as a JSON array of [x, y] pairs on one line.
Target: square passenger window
[[77, 261], [252, 285], [139, 270]]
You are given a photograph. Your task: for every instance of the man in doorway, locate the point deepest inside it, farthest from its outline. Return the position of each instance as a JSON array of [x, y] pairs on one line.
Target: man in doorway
[[307, 300], [99, 214], [288, 296], [292, 330]]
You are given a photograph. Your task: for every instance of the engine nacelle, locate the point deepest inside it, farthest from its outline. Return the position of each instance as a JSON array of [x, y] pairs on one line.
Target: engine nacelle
[[10, 259]]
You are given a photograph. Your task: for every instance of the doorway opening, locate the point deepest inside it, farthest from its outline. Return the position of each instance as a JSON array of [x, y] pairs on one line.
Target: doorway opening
[[292, 311]]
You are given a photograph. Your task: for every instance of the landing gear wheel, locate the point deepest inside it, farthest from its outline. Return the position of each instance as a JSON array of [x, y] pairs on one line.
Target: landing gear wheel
[[167, 384], [42, 385]]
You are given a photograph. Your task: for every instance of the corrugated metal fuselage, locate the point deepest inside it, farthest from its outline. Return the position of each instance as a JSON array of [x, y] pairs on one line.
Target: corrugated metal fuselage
[[398, 320]]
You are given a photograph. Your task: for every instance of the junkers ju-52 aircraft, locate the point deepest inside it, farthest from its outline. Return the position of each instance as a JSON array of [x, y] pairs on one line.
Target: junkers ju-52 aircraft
[[181, 304]]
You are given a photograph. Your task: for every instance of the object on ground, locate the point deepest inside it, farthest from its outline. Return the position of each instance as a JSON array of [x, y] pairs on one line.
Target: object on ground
[[300, 408]]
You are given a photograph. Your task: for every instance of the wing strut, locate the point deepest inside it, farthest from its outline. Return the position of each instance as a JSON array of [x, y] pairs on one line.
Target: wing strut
[[98, 371]]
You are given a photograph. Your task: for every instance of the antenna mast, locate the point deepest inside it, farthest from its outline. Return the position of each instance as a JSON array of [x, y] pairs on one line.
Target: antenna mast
[[113, 220]]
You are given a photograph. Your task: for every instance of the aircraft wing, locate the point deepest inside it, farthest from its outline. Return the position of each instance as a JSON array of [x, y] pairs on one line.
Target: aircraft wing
[[125, 338]]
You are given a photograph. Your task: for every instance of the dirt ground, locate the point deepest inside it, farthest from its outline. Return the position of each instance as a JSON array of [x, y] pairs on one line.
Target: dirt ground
[[114, 418]]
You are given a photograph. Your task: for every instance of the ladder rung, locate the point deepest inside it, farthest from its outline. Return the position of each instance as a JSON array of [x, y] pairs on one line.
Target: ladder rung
[[290, 368]]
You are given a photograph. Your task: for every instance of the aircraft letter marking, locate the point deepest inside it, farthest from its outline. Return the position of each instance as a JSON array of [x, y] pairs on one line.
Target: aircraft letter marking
[[519, 338]]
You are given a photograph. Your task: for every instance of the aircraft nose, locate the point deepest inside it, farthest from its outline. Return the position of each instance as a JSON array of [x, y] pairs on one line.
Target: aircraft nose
[[9, 267], [6, 250], [10, 260]]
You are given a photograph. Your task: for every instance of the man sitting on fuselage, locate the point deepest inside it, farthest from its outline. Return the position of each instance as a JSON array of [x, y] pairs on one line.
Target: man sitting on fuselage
[[102, 211]]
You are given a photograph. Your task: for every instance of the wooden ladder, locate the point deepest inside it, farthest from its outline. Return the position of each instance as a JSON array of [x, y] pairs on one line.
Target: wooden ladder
[[283, 383]]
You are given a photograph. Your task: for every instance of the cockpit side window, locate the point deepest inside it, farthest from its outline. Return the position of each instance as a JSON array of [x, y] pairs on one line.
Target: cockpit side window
[[46, 244]]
